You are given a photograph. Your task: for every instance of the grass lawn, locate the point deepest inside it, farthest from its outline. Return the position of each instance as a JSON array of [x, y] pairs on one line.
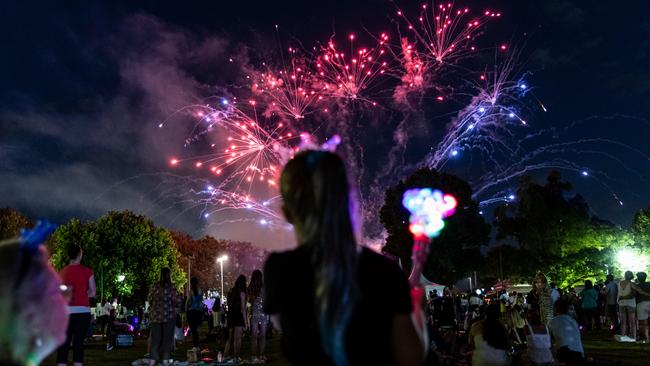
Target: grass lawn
[[599, 345], [96, 353]]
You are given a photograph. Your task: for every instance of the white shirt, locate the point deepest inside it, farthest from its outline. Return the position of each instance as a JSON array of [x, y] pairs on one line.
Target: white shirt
[[474, 300], [565, 332], [106, 310]]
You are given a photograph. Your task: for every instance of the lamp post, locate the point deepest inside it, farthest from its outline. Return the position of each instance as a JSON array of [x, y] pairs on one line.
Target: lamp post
[[120, 279], [221, 260]]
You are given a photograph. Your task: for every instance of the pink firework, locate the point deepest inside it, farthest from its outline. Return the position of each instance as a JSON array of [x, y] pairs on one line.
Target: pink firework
[[289, 91], [443, 32], [350, 75], [243, 153]]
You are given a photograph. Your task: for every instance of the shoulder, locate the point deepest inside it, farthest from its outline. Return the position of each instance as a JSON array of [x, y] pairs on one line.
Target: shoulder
[[282, 261], [377, 261], [87, 270]]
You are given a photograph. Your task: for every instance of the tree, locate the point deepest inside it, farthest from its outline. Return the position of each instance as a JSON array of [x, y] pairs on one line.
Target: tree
[[457, 250], [120, 244], [11, 221], [243, 258], [555, 233], [641, 228]]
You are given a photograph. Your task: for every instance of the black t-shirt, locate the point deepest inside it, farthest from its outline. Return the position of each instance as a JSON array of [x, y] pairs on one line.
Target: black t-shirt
[[289, 293]]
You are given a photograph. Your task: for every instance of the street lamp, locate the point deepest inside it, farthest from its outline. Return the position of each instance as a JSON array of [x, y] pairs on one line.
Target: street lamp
[[120, 279], [221, 260]]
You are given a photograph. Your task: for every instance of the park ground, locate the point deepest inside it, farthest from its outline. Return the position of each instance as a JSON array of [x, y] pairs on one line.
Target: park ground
[[599, 346]]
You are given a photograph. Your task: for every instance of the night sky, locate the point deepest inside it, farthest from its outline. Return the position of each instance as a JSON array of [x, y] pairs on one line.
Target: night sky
[[84, 84]]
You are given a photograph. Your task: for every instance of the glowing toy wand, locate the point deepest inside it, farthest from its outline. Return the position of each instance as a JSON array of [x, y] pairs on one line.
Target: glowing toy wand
[[428, 208]]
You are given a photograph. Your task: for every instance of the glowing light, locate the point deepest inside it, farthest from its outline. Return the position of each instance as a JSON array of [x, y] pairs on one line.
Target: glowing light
[[511, 197], [522, 86], [632, 260], [511, 115], [224, 101], [481, 109], [585, 173], [263, 222], [206, 215], [454, 153], [428, 209]]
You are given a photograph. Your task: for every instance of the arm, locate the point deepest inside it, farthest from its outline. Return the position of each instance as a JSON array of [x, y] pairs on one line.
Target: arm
[[638, 289], [92, 287], [406, 344], [275, 319], [242, 297]]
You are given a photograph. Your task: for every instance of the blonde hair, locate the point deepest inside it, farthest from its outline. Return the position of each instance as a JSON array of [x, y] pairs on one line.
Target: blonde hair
[[20, 298]]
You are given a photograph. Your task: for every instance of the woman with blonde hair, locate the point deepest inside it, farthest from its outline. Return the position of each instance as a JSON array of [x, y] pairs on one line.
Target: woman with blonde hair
[[28, 284], [543, 292]]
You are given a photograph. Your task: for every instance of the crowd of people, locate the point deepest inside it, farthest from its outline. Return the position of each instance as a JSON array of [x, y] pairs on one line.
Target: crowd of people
[[327, 298]]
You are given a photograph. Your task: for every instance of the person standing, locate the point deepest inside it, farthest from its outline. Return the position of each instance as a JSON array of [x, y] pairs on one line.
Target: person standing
[[545, 301], [611, 291], [105, 315], [627, 308], [164, 302], [327, 297], [589, 304], [237, 319], [643, 306], [259, 320], [81, 281], [194, 308]]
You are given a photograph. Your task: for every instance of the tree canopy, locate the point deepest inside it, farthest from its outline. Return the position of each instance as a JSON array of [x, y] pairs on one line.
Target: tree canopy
[[11, 221], [555, 232], [243, 258], [456, 251], [120, 244]]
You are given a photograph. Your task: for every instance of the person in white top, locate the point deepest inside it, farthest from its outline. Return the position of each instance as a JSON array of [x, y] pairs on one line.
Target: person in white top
[[488, 339], [538, 341], [566, 336], [104, 315], [627, 306]]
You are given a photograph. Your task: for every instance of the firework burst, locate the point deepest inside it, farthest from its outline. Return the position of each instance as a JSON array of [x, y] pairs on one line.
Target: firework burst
[[351, 75], [444, 33]]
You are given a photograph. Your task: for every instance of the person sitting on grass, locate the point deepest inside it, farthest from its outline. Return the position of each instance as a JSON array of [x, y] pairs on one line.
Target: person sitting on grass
[[538, 340], [115, 327], [566, 336]]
